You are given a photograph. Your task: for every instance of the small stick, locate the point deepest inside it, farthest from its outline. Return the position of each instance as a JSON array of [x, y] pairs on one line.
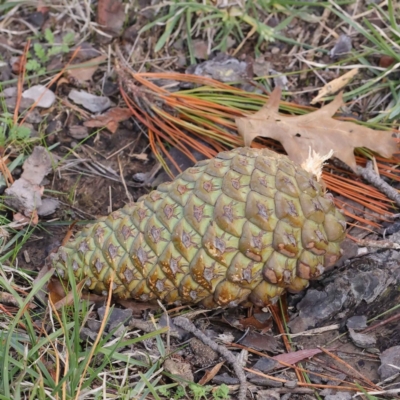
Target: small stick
[[306, 384], [378, 244], [371, 177], [188, 326], [288, 365]]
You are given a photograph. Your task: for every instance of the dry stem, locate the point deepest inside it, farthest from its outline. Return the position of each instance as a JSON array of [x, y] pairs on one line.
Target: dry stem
[[188, 326]]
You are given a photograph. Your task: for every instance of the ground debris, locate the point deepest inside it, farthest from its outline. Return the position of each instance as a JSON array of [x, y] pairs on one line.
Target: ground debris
[[357, 322], [390, 362], [117, 317], [184, 323], [258, 341], [265, 365], [226, 379], [342, 46], [269, 394], [25, 194], [110, 119], [339, 396], [78, 131], [85, 73], [95, 104], [111, 16], [362, 340], [374, 179], [179, 368], [363, 281], [41, 95], [222, 68], [203, 355]]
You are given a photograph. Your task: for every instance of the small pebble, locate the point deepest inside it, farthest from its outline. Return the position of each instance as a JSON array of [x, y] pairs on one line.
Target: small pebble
[[291, 384]]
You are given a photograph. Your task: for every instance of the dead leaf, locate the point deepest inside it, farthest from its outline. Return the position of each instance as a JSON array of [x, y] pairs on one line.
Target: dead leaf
[[91, 102], [25, 194], [141, 156], [41, 95], [55, 290], [316, 130], [255, 323], [9, 299], [111, 15], [84, 72], [69, 298], [200, 49], [335, 85], [138, 307], [210, 373], [260, 342], [110, 119], [296, 356]]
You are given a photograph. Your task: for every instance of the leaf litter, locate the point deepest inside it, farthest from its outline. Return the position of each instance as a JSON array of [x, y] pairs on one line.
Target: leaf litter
[[91, 102], [25, 194], [84, 72], [110, 119], [41, 95], [113, 123]]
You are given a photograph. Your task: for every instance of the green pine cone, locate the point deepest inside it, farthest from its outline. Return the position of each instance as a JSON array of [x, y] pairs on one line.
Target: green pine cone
[[244, 226]]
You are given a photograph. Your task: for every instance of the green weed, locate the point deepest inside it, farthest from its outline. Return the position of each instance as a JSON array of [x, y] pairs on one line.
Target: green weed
[[43, 52]]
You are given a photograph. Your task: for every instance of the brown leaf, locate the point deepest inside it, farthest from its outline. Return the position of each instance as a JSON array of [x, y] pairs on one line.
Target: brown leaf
[[211, 373], [85, 72], [56, 290], [316, 130], [253, 322], [138, 307], [110, 119], [111, 15], [296, 356], [69, 298], [260, 342]]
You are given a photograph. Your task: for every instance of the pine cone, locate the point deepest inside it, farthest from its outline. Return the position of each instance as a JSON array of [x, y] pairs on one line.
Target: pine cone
[[244, 226]]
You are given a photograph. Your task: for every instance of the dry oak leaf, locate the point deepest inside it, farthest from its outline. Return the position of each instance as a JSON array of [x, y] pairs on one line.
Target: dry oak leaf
[[316, 130], [110, 119]]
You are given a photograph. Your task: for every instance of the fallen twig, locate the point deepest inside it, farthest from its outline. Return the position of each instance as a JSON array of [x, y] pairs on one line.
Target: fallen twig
[[371, 177], [379, 244], [312, 332], [188, 326]]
